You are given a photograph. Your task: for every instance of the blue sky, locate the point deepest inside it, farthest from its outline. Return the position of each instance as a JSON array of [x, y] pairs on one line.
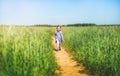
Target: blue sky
[[28, 12]]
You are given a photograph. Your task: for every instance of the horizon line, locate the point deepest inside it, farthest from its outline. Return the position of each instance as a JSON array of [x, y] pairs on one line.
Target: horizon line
[[51, 24]]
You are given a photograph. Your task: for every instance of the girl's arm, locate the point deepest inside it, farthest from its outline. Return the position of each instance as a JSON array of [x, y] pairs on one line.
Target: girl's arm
[[62, 37]]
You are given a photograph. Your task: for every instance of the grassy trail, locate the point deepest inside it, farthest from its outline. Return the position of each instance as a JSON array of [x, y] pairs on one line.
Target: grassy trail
[[68, 67]]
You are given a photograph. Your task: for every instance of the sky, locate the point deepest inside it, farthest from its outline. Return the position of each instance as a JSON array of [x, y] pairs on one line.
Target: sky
[[54, 12]]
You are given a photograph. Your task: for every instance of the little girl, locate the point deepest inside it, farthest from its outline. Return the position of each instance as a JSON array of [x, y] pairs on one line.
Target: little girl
[[58, 37]]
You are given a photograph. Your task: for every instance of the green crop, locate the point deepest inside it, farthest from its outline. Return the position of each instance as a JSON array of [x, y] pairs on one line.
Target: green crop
[[97, 47], [26, 51]]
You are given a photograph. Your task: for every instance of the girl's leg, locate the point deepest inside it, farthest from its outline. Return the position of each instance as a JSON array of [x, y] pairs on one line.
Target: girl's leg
[[57, 45]]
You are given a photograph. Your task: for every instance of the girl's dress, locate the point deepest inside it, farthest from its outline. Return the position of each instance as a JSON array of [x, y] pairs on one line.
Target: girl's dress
[[58, 36]]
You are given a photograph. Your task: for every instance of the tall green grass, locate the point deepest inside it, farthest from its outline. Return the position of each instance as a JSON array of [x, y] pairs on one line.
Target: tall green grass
[[97, 47], [26, 51]]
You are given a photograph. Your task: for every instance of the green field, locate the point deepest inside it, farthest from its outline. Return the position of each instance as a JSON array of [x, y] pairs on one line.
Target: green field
[[28, 51], [97, 48]]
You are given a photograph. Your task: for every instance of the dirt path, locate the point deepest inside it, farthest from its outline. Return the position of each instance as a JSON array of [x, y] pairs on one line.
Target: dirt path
[[67, 65]]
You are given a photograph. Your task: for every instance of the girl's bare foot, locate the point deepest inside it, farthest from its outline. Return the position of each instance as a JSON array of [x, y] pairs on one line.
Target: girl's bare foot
[[59, 48], [56, 49]]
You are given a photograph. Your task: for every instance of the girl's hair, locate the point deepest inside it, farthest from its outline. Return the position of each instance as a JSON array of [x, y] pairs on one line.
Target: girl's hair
[[58, 26]]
